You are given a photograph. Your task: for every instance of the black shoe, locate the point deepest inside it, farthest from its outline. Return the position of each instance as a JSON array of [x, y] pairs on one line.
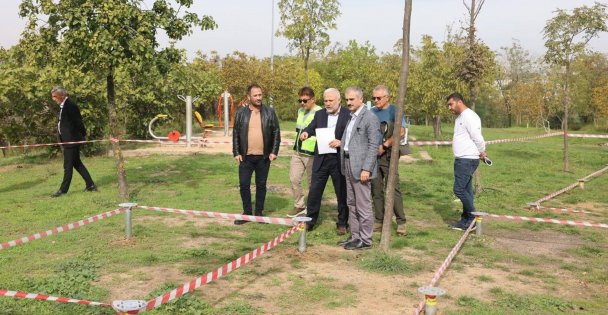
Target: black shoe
[[309, 227], [358, 244], [58, 193], [343, 242], [350, 240], [91, 188], [240, 222], [462, 225]]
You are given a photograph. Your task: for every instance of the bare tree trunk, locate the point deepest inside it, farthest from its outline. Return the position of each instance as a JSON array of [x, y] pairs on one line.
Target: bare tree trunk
[[565, 121], [437, 127], [306, 58], [3, 143], [389, 199], [123, 191], [476, 176]]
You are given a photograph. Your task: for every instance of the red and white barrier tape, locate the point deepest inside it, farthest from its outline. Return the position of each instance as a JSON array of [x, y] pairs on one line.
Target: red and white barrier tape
[[290, 143], [50, 144], [420, 143], [553, 134], [569, 210], [594, 174], [555, 194], [446, 263], [60, 229], [543, 220], [216, 274], [43, 297], [230, 216], [571, 186], [580, 135]]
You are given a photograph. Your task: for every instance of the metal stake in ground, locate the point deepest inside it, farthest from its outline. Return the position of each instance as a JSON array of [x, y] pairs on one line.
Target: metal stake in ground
[[125, 306], [302, 238], [128, 224], [430, 298], [478, 217]]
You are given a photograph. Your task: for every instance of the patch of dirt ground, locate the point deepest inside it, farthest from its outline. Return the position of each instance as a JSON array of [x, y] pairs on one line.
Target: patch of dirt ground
[[224, 146], [282, 280]]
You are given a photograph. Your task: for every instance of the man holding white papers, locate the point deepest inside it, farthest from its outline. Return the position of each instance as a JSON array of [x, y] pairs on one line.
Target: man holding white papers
[[325, 165]]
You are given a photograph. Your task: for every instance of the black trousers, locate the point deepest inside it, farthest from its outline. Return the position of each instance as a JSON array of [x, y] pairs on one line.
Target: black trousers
[[71, 161], [329, 168], [261, 166]]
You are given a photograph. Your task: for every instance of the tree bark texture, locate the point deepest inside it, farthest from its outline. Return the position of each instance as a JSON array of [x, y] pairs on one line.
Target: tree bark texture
[[394, 163]]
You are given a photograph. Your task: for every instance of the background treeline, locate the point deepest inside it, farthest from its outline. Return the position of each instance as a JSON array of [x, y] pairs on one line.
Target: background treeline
[[516, 89]]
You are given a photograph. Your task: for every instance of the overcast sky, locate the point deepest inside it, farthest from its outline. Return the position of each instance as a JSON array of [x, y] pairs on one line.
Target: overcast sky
[[245, 25]]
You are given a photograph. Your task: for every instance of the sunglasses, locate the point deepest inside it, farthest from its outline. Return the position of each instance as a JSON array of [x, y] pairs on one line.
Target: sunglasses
[[303, 100], [377, 98]]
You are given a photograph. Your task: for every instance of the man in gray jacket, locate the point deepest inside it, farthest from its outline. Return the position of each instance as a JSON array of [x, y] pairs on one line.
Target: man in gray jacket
[[358, 164]]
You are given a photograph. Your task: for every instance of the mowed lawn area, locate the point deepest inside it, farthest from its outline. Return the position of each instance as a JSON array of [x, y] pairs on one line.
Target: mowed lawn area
[[514, 268]]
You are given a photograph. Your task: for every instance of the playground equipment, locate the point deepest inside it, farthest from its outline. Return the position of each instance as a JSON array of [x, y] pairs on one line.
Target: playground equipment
[[175, 135], [226, 110], [224, 100], [225, 117]]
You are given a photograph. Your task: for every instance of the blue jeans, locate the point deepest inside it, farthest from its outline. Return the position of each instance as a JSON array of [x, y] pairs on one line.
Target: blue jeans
[[463, 185]]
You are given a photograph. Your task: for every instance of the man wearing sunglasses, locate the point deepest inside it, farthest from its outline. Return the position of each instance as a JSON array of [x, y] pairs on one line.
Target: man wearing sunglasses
[[301, 160], [386, 113]]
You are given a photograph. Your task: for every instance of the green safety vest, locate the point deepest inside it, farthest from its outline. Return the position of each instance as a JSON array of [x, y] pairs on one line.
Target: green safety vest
[[307, 146]]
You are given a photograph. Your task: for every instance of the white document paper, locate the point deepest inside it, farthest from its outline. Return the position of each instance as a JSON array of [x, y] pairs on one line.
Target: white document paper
[[324, 137]]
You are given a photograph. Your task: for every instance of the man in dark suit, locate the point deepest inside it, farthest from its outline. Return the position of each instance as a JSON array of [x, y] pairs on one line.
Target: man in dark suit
[[326, 165], [70, 128]]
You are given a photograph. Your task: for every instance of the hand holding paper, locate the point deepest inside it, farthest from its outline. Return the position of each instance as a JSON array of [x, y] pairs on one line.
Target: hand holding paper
[[324, 137]]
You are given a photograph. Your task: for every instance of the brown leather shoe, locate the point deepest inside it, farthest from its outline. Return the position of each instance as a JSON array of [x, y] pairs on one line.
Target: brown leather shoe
[[401, 230], [377, 227], [341, 230]]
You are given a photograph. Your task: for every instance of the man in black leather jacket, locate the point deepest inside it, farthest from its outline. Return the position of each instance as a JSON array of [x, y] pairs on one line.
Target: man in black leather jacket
[[255, 142]]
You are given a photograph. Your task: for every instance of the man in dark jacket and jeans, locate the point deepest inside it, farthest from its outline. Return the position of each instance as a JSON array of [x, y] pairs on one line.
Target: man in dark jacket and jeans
[[255, 142]]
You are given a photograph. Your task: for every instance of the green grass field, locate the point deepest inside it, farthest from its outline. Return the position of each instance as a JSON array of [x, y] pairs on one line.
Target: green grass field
[[515, 268]]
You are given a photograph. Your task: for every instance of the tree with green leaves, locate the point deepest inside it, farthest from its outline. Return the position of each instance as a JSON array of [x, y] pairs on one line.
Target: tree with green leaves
[[589, 72], [352, 65], [431, 81], [567, 35], [98, 36], [472, 66], [516, 69], [305, 24]]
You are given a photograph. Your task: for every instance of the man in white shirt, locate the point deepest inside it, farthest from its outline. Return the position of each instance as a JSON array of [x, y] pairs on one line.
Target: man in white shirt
[[469, 147]]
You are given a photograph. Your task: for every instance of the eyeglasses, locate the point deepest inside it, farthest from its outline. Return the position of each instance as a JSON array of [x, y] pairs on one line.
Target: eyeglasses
[[377, 98], [303, 100]]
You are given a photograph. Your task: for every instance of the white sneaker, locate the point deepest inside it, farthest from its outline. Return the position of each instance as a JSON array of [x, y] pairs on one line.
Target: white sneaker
[[301, 213]]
